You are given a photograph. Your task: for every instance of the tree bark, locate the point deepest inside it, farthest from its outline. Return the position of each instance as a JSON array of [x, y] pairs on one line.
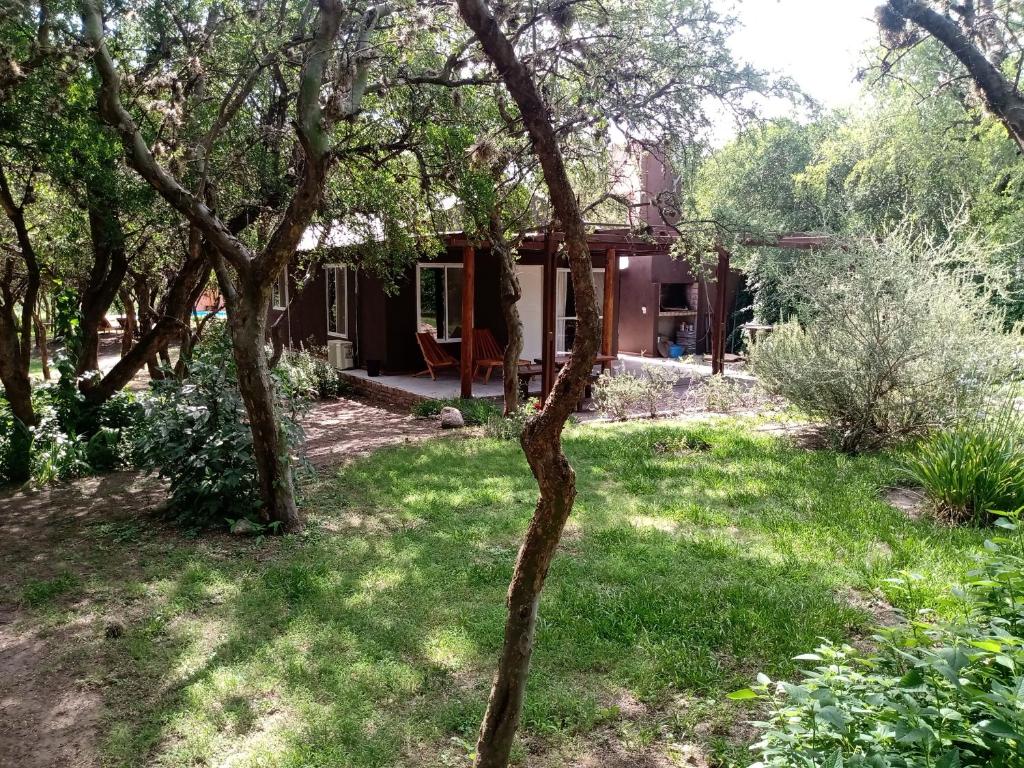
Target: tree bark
[[247, 323], [130, 325], [110, 265], [41, 345], [15, 328], [510, 292], [542, 435], [1000, 94]]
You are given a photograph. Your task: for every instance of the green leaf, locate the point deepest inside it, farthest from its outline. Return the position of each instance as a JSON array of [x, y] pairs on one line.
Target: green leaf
[[999, 728], [742, 695], [988, 645], [833, 717], [949, 760], [807, 657]]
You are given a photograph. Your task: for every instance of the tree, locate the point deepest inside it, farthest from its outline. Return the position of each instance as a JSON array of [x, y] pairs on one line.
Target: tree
[[979, 35], [542, 436], [246, 274]]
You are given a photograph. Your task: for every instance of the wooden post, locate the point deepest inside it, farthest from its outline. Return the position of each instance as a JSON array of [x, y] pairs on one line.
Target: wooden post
[[719, 318], [547, 375], [468, 286], [611, 282]]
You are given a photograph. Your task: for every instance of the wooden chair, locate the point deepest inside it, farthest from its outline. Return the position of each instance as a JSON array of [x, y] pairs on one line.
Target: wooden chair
[[487, 353], [435, 357]]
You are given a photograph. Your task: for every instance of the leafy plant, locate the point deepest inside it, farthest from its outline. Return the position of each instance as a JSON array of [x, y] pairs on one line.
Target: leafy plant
[[511, 427], [937, 694], [973, 469], [306, 372], [474, 412], [656, 384], [196, 436]]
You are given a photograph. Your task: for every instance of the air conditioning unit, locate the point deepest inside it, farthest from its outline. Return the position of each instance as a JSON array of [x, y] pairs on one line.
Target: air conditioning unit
[[340, 354]]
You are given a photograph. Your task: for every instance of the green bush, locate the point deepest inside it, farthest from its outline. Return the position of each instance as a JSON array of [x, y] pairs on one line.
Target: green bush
[[511, 427], [307, 373], [934, 693], [889, 341], [974, 469], [617, 395], [474, 412], [196, 435]]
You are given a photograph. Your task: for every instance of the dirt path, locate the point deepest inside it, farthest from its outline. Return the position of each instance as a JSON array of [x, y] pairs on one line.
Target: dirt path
[[338, 430], [51, 714]]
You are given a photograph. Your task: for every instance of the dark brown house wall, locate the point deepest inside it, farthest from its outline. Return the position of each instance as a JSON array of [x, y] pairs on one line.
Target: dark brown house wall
[[638, 299]]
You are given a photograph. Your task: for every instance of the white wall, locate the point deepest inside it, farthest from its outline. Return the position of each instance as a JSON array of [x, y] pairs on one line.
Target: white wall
[[531, 309]]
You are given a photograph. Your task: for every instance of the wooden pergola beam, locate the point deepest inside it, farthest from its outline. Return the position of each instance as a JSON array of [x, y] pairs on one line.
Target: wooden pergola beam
[[611, 283], [468, 298]]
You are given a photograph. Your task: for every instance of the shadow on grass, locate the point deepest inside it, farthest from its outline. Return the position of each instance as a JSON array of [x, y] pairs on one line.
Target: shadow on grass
[[370, 641]]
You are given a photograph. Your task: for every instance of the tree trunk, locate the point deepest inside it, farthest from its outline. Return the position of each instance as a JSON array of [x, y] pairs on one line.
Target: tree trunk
[[41, 343], [511, 292], [130, 324], [110, 265], [247, 322], [542, 435]]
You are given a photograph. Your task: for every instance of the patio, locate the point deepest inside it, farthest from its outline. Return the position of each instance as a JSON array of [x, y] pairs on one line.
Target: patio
[[447, 386]]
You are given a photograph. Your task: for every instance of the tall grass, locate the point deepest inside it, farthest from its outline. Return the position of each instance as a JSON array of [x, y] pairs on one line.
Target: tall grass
[[974, 469]]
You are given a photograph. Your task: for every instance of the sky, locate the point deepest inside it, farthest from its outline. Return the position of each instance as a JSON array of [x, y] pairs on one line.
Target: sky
[[818, 43]]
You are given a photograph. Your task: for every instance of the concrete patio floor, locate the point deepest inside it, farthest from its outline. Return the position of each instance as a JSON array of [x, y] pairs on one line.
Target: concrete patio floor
[[446, 387]]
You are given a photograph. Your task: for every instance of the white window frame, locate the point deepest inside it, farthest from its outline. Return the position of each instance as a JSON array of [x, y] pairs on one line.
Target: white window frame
[[341, 294], [560, 319], [281, 286], [444, 266]]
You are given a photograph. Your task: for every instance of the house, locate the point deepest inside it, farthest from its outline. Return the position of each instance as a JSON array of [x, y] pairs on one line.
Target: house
[[642, 290]]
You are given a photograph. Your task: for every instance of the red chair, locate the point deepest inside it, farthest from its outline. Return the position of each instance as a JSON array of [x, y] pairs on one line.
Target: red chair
[[487, 354], [435, 357]]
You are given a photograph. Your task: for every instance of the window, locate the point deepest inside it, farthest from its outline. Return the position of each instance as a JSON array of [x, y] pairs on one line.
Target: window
[[565, 308], [337, 300], [279, 291], [439, 300]]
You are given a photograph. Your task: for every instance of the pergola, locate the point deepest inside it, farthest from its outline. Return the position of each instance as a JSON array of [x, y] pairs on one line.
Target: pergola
[[612, 242]]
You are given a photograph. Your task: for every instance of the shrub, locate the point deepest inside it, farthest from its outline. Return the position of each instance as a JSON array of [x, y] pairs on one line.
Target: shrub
[[973, 469], [721, 394], [934, 693], [196, 436], [890, 342], [307, 373], [56, 454], [656, 384], [617, 395], [474, 412], [511, 427]]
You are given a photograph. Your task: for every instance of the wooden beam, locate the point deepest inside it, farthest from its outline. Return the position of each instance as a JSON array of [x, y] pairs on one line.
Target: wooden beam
[[468, 286], [547, 376], [719, 312], [611, 284]]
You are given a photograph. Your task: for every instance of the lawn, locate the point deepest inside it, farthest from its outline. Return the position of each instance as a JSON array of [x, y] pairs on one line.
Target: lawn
[[697, 555]]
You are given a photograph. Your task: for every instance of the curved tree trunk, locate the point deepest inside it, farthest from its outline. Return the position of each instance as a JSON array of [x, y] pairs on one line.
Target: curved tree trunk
[[110, 265], [130, 323], [1001, 94], [247, 323], [542, 436], [16, 332]]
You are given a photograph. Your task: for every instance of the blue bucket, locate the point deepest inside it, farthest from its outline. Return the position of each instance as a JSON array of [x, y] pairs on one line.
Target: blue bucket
[[675, 350]]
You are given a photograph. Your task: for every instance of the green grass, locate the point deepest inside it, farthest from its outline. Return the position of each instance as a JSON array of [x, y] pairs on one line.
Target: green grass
[[370, 640]]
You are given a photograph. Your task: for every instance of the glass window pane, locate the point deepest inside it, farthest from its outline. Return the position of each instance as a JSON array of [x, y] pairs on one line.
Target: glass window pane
[[599, 287], [454, 302], [332, 301], [341, 307], [431, 318]]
